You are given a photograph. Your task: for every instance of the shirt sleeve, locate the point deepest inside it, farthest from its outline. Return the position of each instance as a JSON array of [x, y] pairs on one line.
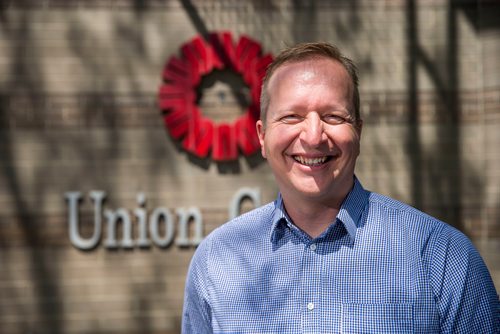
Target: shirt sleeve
[[196, 316], [465, 293]]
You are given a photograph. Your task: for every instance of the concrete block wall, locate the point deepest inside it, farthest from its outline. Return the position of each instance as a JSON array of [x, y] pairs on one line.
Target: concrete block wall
[[78, 87]]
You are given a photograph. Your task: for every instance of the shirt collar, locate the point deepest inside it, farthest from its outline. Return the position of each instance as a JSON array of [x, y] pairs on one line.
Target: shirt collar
[[280, 218], [349, 214], [352, 208]]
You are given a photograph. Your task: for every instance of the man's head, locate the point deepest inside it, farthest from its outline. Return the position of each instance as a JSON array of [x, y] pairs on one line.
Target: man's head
[[304, 51], [310, 128]]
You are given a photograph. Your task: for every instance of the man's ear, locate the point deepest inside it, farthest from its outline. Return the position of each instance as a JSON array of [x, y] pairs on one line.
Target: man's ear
[[261, 132]]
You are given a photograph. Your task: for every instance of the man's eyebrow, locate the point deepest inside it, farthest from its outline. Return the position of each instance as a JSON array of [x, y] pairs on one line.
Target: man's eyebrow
[[336, 110]]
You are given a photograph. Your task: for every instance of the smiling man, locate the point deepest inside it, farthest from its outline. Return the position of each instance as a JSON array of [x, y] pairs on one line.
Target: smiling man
[[328, 256]]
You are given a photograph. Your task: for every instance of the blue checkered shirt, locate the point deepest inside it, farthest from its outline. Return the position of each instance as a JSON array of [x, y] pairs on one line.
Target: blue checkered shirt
[[381, 267]]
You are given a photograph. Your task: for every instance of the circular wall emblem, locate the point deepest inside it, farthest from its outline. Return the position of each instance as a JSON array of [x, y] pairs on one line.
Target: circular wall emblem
[[182, 75]]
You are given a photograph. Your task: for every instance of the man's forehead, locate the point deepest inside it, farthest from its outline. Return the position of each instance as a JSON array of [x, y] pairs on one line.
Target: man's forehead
[[306, 69]]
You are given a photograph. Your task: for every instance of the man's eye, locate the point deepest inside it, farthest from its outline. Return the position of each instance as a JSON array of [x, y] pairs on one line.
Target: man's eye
[[291, 119], [335, 119]]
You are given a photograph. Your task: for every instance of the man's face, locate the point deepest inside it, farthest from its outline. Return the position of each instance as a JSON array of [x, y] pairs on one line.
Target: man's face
[[309, 139]]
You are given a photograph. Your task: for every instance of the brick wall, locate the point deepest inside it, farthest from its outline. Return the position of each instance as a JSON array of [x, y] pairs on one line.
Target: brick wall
[[78, 86]]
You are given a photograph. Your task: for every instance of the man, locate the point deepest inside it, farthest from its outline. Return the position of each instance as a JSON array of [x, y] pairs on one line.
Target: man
[[329, 256]]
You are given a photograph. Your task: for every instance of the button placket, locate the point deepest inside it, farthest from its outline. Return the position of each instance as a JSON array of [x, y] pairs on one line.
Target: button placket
[[311, 288]]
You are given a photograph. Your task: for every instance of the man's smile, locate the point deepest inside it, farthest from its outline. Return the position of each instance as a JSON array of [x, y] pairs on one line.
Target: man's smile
[[316, 161]]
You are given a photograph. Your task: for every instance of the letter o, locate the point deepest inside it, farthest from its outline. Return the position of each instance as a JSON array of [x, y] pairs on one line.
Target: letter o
[[154, 222]]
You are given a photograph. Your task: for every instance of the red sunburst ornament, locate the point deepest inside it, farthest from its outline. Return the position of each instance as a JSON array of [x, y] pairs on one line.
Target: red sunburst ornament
[[177, 96]]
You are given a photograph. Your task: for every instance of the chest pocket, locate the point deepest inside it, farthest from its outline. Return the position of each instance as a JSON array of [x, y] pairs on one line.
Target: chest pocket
[[377, 318]]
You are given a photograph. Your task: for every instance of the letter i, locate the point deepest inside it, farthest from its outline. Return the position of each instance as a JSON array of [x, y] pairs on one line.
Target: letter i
[[140, 213]]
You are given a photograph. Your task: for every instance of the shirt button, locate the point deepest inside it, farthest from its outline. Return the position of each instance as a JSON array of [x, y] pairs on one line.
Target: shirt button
[[312, 247], [310, 306]]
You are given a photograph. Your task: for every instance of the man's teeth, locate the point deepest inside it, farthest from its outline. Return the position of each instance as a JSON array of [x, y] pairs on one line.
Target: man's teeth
[[310, 161]]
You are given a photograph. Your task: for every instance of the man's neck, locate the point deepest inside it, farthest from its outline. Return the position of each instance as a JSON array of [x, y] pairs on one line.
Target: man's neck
[[312, 217]]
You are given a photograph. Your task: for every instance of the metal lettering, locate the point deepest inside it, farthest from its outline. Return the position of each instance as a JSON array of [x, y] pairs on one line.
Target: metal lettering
[[243, 193], [190, 221], [185, 216], [154, 222], [73, 198], [112, 219], [140, 214]]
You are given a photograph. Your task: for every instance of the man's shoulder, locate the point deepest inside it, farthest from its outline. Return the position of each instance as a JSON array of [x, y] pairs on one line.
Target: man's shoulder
[[407, 216], [249, 224], [415, 227], [393, 205]]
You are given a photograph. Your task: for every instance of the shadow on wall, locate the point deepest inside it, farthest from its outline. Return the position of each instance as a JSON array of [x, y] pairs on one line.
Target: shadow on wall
[[447, 185], [43, 277], [443, 169], [45, 310]]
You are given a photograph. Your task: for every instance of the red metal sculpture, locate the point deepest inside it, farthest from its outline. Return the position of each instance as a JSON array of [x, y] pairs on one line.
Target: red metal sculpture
[[177, 96]]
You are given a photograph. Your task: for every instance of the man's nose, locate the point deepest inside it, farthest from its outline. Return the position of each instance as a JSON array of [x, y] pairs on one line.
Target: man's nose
[[313, 132]]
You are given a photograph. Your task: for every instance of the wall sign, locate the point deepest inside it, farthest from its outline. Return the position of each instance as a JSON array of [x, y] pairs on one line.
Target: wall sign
[[183, 118], [156, 227]]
